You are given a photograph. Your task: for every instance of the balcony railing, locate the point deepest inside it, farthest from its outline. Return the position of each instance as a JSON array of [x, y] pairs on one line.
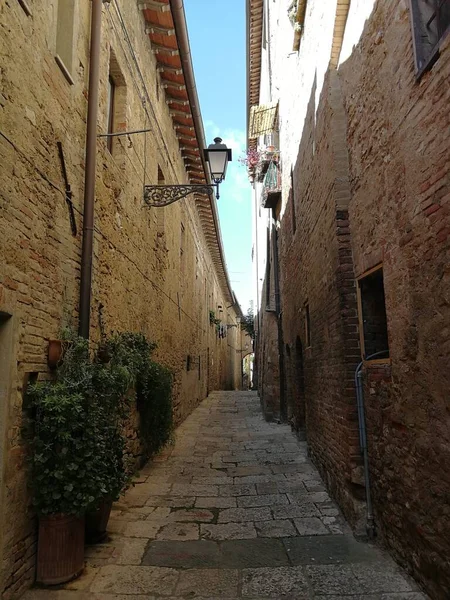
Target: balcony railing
[[266, 157], [271, 192]]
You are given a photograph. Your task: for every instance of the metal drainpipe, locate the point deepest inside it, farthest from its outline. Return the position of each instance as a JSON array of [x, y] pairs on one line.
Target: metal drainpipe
[[89, 185], [276, 276], [370, 521]]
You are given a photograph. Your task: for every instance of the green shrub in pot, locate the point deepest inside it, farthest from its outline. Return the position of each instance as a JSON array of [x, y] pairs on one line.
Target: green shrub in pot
[[65, 474]]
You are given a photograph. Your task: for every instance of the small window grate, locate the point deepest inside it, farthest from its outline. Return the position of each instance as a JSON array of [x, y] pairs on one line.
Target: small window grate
[[430, 24], [372, 315]]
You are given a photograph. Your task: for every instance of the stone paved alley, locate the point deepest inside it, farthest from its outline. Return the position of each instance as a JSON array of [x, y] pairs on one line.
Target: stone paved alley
[[234, 510]]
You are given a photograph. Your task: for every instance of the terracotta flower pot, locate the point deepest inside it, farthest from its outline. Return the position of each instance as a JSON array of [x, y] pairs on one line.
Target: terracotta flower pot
[[60, 555], [55, 352], [97, 522]]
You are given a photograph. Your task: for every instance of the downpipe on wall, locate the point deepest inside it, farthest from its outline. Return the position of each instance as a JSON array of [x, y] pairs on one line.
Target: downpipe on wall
[[370, 521], [89, 181]]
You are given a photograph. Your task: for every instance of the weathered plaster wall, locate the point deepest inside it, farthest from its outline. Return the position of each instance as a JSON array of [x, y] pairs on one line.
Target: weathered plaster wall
[[152, 270]]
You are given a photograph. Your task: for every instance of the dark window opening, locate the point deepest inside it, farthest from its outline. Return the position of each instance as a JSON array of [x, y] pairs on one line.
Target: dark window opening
[[111, 99], [430, 24], [373, 316], [307, 327]]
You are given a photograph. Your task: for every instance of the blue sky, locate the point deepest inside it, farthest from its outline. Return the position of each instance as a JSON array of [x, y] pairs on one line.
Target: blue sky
[[217, 38]]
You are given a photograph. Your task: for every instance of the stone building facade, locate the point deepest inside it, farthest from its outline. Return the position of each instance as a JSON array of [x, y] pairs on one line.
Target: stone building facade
[[360, 219], [159, 271]]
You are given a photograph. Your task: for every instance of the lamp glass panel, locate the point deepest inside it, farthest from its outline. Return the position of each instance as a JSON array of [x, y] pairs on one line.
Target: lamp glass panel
[[217, 163]]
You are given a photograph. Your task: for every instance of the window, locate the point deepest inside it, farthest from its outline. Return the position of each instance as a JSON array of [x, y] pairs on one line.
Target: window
[[307, 327], [116, 108], [372, 315], [65, 37], [110, 108], [430, 21]]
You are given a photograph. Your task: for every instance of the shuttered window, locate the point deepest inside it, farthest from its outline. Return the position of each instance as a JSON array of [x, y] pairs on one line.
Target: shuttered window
[[430, 21], [263, 119]]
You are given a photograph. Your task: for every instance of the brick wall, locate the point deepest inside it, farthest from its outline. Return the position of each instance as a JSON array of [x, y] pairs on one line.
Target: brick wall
[[141, 282], [269, 372], [399, 215], [370, 186], [317, 272]]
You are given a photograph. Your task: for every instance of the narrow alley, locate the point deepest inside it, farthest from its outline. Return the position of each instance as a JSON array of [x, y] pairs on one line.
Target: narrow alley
[[234, 509]]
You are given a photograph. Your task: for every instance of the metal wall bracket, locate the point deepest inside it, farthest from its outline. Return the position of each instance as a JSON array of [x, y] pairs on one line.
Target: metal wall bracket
[[68, 190], [163, 195]]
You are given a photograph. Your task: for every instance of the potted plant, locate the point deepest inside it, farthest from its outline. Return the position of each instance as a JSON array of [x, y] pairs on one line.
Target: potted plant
[[111, 382], [64, 470], [57, 348], [120, 361]]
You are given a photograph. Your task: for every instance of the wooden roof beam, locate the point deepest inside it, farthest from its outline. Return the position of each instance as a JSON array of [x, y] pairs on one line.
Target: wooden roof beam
[[150, 28], [154, 5], [162, 68], [158, 48], [173, 84], [180, 101], [181, 126]]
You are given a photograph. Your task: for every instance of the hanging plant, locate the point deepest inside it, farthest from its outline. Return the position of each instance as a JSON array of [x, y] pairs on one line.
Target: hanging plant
[[292, 11], [250, 160]]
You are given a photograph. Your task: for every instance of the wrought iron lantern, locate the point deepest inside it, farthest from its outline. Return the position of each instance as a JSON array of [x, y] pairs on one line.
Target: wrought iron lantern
[[217, 156]]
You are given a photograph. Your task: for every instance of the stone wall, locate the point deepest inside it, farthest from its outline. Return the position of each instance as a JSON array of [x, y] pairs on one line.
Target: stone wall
[[152, 269]]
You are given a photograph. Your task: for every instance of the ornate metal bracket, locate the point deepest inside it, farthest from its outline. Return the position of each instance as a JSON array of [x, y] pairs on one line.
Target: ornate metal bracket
[[163, 195]]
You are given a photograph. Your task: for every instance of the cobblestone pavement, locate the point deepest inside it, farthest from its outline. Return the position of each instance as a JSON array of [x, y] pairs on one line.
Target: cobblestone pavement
[[234, 510]]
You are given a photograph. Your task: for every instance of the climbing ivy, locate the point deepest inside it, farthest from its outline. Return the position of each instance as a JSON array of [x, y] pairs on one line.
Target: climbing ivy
[[248, 323], [153, 384]]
